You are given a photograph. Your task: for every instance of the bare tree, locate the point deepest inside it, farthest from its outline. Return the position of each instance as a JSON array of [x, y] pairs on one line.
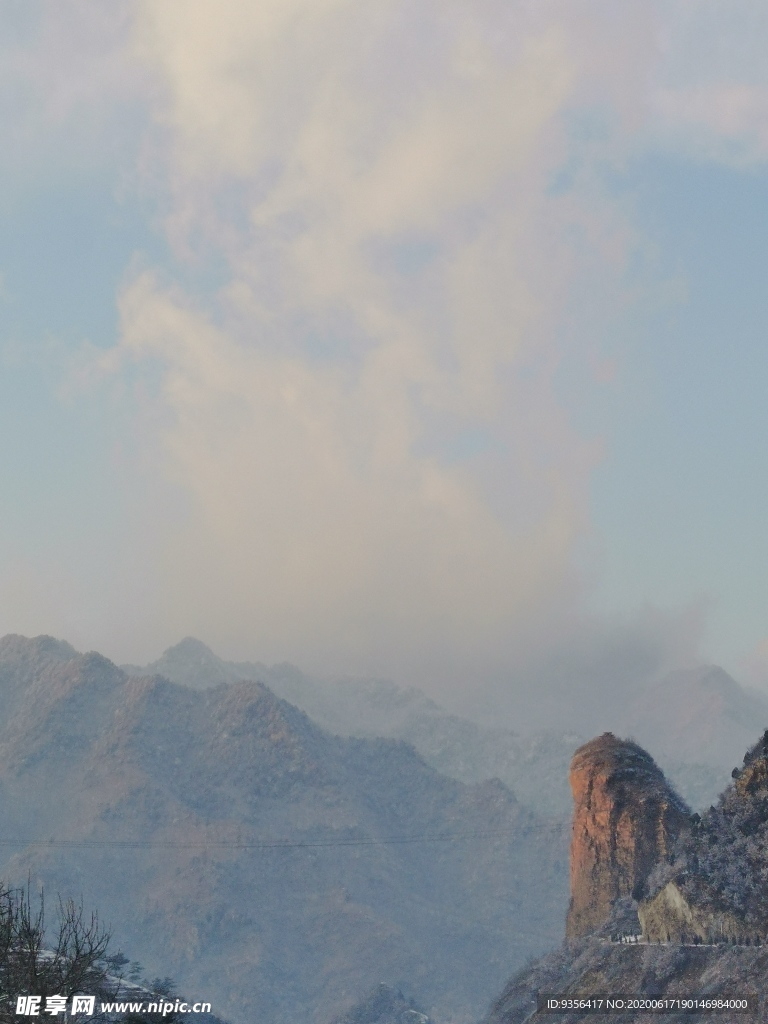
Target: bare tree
[[75, 959]]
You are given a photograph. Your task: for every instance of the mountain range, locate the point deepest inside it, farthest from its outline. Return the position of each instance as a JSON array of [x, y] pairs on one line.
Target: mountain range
[[273, 868], [283, 844], [698, 722]]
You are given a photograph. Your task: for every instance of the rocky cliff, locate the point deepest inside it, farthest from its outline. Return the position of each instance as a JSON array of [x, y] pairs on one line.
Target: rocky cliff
[[703, 908], [626, 819]]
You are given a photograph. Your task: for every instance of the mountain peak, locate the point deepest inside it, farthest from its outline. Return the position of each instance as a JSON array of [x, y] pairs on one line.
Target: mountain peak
[[14, 646], [698, 714], [626, 817], [190, 646], [189, 662]]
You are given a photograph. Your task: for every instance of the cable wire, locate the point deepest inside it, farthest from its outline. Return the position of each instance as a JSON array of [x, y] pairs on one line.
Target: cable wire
[[281, 844]]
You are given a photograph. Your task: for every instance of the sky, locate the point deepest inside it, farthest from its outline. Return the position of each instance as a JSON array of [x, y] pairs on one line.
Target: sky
[[420, 339]]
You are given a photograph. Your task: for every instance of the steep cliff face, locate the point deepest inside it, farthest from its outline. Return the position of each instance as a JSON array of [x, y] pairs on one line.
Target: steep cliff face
[[704, 906], [626, 819]]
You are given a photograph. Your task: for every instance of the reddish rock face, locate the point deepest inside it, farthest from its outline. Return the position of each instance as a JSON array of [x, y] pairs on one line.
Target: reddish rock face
[[626, 816]]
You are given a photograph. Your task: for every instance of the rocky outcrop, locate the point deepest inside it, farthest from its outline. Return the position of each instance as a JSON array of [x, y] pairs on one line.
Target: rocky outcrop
[[703, 908], [672, 915], [626, 819]]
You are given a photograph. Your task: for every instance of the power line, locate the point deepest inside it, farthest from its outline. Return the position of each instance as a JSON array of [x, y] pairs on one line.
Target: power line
[[279, 844]]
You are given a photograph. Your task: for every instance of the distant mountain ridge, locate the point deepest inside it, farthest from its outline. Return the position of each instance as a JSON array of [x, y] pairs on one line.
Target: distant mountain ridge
[[705, 712], [698, 722], [274, 869], [534, 767]]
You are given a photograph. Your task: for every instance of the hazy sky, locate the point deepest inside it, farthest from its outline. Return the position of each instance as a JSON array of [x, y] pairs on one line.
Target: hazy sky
[[414, 337]]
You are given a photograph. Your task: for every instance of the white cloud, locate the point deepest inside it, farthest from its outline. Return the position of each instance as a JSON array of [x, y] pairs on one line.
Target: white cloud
[[362, 410], [355, 397], [316, 531], [319, 405]]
